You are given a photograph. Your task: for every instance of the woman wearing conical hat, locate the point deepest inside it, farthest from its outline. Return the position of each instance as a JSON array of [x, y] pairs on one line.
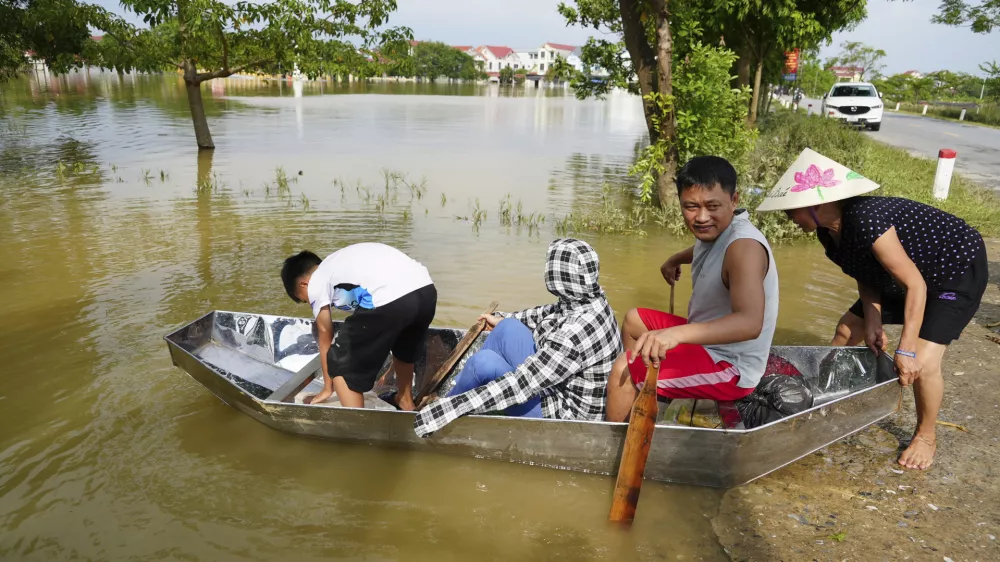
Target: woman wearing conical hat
[[915, 265]]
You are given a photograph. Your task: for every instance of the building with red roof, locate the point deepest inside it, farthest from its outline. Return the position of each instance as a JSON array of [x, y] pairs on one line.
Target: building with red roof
[[560, 47], [497, 58]]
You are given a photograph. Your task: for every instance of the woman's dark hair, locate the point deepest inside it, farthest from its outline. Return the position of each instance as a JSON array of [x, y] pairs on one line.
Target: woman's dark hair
[[295, 267], [707, 171]]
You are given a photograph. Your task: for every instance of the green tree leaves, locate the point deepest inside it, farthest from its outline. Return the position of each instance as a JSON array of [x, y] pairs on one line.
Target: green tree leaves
[[980, 18]]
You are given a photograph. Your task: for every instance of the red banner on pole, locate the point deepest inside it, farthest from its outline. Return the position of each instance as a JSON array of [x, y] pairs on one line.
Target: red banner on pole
[[792, 62]]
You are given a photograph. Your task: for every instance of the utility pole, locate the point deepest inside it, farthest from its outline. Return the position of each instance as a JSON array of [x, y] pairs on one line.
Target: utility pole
[[981, 92]]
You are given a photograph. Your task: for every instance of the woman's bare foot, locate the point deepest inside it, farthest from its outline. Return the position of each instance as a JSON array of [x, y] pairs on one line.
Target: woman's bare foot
[[920, 454]]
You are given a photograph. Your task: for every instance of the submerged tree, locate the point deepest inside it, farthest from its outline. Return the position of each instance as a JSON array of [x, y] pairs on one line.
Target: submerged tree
[[208, 39], [433, 59], [506, 75]]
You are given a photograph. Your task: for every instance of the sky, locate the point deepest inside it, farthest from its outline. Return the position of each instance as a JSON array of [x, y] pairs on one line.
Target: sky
[[902, 29]]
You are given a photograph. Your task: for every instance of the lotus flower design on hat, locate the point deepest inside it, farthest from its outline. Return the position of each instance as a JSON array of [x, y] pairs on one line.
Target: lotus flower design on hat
[[812, 178]]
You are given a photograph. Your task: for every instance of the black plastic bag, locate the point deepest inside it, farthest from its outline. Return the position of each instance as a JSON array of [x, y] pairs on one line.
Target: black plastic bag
[[775, 397]]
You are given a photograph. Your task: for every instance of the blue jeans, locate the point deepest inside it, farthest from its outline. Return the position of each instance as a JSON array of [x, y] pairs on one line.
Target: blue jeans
[[507, 346]]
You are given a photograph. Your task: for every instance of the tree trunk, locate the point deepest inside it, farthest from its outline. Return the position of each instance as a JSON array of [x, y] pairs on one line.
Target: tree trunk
[[767, 104], [668, 122], [193, 86], [743, 64], [201, 132], [643, 58], [755, 100]]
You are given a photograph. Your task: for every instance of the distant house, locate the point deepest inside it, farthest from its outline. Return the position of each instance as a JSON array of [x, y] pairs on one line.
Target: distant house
[[540, 60], [847, 73], [498, 58], [913, 74]]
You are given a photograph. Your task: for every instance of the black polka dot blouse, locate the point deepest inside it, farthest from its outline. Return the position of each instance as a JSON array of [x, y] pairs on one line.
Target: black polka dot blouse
[[940, 244]]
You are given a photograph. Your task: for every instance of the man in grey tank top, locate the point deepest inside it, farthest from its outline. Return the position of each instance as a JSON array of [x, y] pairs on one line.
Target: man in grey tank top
[[720, 351]]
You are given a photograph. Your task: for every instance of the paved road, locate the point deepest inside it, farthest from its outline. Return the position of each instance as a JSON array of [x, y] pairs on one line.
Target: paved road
[[978, 147]]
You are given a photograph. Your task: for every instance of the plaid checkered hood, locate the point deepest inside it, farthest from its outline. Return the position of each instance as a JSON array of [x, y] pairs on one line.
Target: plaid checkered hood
[[571, 271], [577, 340]]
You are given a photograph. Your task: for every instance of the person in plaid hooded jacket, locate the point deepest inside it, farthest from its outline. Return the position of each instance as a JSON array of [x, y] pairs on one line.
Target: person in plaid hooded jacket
[[550, 361]]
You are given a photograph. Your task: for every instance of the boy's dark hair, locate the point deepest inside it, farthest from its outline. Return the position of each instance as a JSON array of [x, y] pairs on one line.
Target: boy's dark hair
[[707, 171], [295, 267]]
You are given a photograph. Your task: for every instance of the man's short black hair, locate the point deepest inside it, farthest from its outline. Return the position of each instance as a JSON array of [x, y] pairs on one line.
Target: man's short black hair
[[295, 267], [707, 171]]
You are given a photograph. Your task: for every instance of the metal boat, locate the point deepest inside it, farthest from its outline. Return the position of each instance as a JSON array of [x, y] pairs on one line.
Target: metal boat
[[263, 365]]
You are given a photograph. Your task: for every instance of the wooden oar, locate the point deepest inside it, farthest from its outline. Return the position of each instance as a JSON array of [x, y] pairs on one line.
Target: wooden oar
[[641, 423], [431, 384], [672, 298]]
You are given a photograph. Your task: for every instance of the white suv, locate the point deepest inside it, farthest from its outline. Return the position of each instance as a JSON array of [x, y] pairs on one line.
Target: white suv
[[857, 103]]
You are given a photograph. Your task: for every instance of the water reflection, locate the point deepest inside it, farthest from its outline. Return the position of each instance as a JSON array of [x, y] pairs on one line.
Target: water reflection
[[108, 452]]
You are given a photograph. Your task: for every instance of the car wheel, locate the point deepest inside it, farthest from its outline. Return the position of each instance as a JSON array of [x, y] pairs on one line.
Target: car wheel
[[875, 127]]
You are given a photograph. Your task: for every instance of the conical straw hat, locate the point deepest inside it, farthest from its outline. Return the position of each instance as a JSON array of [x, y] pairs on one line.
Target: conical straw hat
[[812, 180]]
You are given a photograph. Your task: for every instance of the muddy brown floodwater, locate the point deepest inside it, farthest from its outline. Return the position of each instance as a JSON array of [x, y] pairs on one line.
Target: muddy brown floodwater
[[114, 230]]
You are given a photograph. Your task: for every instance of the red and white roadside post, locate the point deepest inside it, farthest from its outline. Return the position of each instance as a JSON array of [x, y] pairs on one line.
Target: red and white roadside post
[[945, 167]]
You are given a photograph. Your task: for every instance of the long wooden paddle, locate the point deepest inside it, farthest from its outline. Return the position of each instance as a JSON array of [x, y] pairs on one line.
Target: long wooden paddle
[[431, 384], [641, 423]]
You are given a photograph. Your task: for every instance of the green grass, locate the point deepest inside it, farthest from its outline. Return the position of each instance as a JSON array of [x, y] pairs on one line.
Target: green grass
[[988, 115]]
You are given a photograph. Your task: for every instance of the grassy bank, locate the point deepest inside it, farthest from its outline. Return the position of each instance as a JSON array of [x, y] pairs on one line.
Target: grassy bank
[[988, 115], [782, 137]]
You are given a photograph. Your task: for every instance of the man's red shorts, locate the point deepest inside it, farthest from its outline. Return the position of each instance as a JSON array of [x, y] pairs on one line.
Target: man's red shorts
[[688, 371]]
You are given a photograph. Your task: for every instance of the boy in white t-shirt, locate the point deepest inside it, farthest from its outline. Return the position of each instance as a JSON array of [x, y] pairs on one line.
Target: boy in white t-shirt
[[393, 301]]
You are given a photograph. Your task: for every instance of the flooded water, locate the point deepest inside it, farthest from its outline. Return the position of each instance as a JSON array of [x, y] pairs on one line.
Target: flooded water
[[107, 452]]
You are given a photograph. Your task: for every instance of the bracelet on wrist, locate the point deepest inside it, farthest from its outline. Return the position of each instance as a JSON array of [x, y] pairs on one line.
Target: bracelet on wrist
[[906, 353]]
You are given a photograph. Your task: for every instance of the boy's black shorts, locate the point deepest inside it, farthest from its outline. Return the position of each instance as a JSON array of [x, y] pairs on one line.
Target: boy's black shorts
[[949, 308], [367, 336]]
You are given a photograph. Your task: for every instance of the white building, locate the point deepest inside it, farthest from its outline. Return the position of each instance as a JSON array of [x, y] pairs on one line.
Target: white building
[[528, 61], [535, 61], [498, 58], [542, 59], [539, 61]]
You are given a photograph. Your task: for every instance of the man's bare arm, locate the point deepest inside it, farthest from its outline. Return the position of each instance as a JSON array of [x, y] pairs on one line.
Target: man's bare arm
[[324, 329], [745, 267]]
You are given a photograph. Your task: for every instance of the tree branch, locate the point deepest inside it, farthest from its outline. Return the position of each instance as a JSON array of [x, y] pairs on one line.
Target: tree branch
[[225, 48], [227, 72]]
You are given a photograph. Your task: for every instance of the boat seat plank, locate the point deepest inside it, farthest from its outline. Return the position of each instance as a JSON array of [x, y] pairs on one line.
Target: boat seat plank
[[310, 370]]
